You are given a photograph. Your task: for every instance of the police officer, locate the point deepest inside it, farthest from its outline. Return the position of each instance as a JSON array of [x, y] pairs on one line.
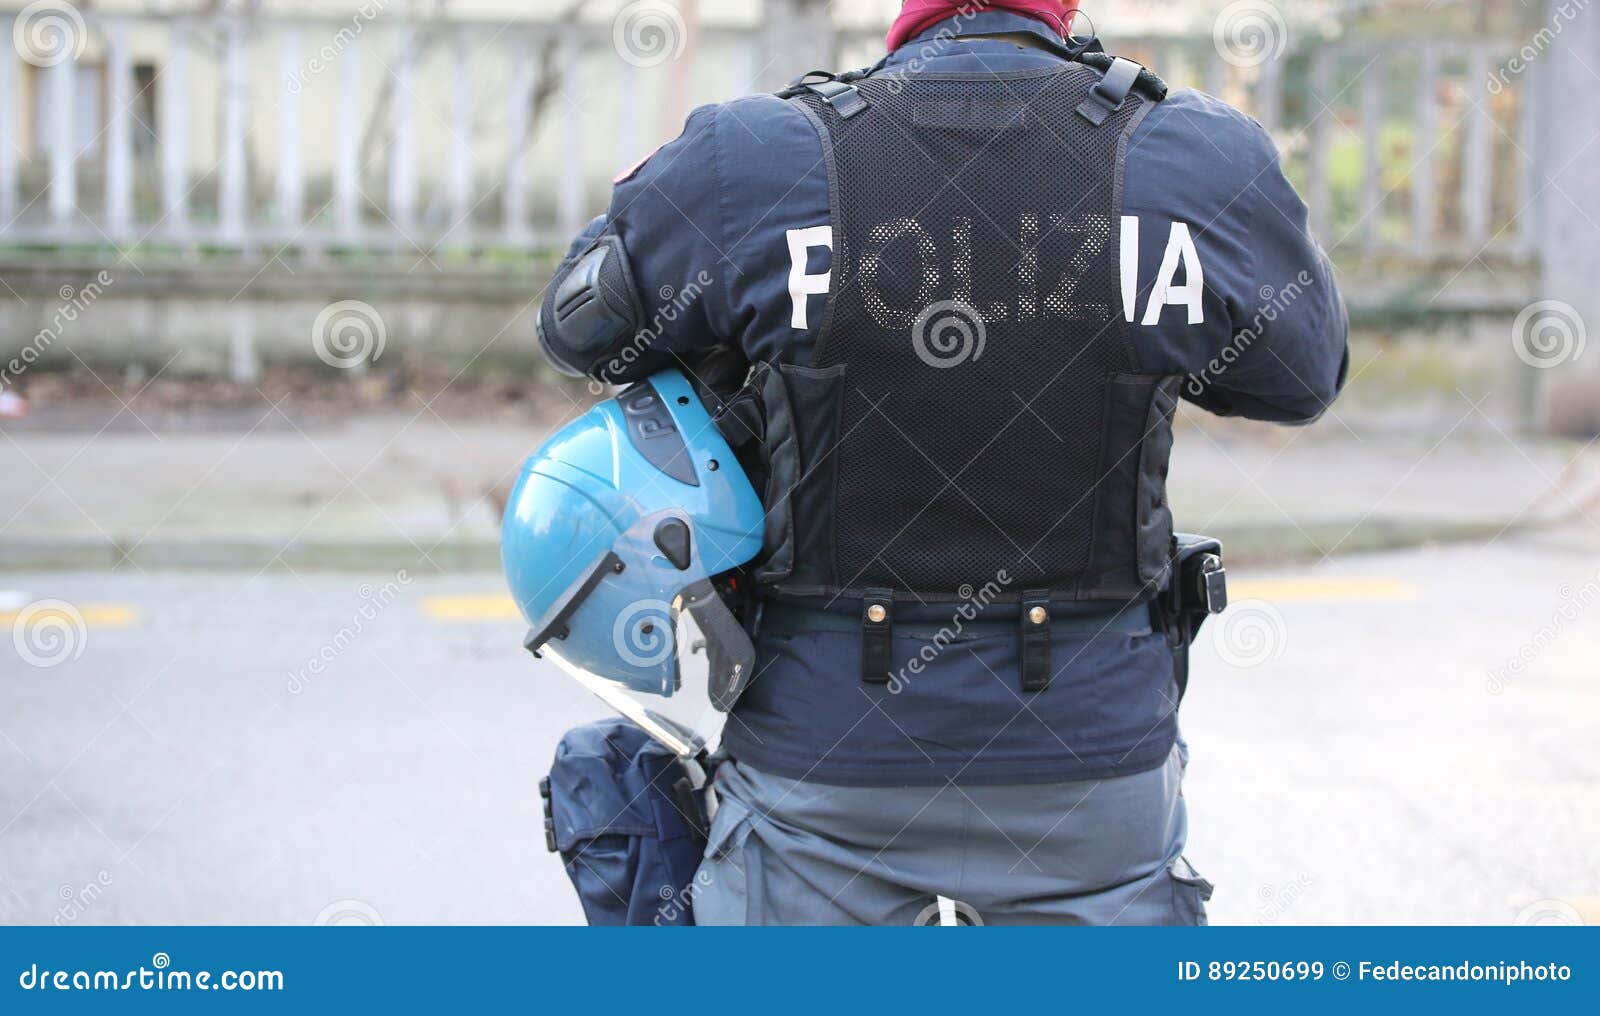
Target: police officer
[[974, 281]]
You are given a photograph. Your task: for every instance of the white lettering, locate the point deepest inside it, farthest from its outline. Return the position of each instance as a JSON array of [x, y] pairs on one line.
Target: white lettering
[[801, 284], [1180, 246], [927, 253], [1129, 255]]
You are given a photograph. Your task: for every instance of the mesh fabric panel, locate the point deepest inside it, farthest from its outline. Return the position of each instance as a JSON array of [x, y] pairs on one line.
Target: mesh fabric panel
[[976, 302]]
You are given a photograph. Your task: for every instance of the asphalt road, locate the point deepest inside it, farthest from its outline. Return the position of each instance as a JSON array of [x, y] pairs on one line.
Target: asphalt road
[[1360, 751]]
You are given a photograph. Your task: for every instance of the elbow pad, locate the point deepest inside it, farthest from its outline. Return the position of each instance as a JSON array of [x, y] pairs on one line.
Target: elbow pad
[[591, 310]]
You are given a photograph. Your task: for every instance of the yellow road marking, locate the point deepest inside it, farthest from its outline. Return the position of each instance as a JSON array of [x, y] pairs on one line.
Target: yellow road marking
[[471, 608], [95, 615], [1322, 590]]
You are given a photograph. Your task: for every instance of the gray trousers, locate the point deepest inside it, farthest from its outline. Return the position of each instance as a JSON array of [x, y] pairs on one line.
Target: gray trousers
[[1095, 852]]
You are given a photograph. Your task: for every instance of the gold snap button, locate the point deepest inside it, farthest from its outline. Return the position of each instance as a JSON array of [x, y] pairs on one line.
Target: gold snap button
[[1038, 615], [876, 613]]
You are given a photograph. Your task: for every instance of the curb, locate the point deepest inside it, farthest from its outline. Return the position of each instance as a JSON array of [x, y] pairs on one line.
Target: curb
[[1274, 544]]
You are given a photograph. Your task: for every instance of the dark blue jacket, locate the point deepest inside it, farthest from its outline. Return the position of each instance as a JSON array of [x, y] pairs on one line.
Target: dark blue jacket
[[709, 214]]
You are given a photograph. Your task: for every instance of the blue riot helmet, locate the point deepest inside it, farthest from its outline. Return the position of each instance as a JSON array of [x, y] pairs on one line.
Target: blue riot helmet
[[623, 521]]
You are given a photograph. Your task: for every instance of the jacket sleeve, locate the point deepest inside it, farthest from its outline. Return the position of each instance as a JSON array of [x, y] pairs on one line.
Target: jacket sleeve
[[1291, 343], [1272, 343], [664, 222]]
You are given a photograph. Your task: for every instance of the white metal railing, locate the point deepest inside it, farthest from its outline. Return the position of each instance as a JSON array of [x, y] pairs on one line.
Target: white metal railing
[[404, 135], [391, 134]]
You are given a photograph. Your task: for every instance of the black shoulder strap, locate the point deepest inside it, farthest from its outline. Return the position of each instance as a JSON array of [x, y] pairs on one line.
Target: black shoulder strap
[[1108, 94], [844, 97], [837, 90], [1147, 83]]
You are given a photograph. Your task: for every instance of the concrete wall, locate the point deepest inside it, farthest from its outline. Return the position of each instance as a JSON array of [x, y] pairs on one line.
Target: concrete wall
[[230, 320]]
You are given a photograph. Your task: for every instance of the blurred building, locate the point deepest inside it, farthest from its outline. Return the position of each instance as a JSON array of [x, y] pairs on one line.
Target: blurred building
[[304, 76], [236, 139]]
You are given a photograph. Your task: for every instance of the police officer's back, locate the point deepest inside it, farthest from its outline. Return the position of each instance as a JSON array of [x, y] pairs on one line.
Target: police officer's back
[[975, 281]]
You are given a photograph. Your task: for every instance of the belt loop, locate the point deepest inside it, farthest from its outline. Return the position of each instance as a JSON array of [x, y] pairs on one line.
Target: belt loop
[[1036, 640], [877, 631]]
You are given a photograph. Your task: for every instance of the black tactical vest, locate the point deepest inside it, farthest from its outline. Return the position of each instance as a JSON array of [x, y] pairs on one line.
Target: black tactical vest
[[973, 415]]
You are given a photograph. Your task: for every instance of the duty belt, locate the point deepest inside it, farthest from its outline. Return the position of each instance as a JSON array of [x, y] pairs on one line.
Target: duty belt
[[1037, 623], [1198, 588], [785, 619]]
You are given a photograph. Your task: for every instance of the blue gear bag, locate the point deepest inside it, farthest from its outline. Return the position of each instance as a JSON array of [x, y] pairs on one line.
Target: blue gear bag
[[622, 811]]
